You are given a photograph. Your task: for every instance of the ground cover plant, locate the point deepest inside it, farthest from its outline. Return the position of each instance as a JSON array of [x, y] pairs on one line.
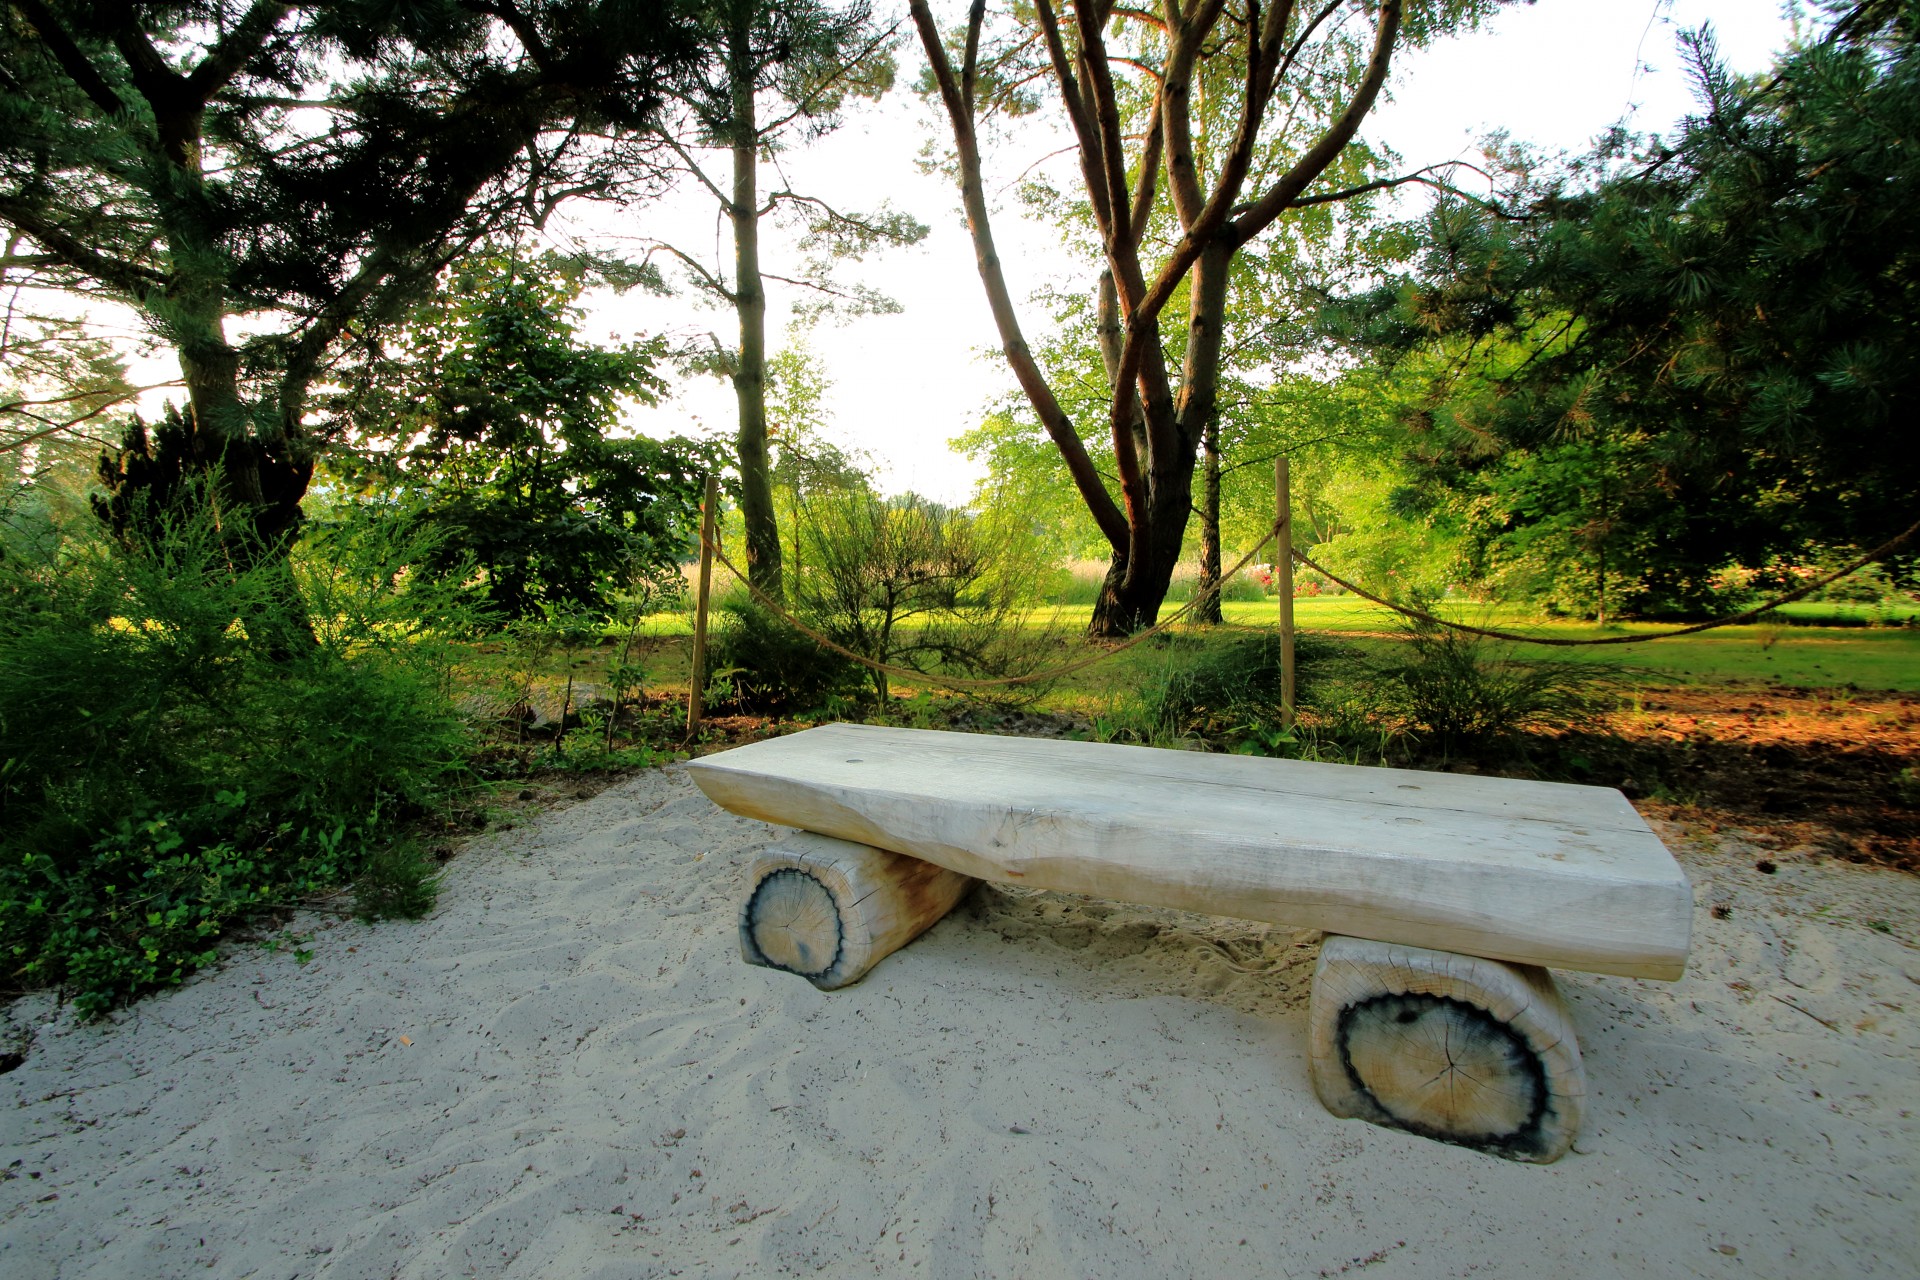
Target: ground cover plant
[[167, 773]]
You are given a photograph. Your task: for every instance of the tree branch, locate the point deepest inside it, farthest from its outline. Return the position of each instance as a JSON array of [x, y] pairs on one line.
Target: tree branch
[[1145, 189], [72, 61], [1300, 41], [1072, 97], [970, 63], [707, 279], [1020, 359], [1310, 166], [130, 279], [1106, 120], [693, 167], [231, 53], [520, 24]]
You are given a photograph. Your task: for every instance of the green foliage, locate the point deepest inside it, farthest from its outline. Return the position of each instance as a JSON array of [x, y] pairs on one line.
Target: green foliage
[[1438, 691], [397, 880], [1463, 692], [487, 422], [762, 665], [1689, 358], [911, 583], [162, 775], [587, 748], [1231, 691], [1382, 531], [57, 382], [897, 580]]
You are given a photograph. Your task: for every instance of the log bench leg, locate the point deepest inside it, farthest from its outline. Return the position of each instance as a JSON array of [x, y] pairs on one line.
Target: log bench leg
[[1453, 1047], [829, 910]]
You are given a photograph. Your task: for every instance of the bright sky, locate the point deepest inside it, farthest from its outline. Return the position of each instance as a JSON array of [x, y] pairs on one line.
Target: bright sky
[[1555, 73]]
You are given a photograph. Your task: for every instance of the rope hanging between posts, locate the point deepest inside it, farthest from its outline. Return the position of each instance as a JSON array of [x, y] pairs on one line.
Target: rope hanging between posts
[[962, 682], [1884, 550]]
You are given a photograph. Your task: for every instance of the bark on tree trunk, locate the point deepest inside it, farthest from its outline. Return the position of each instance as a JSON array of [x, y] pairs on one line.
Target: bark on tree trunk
[[252, 482], [1208, 610], [750, 302], [1134, 590]]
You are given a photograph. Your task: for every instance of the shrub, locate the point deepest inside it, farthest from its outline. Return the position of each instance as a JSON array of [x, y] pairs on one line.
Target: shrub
[[1231, 691], [1464, 691], [911, 583], [760, 664], [163, 774]]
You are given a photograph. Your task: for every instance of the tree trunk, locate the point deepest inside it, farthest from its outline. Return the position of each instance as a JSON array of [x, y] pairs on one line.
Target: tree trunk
[[1131, 596], [212, 453], [750, 302], [1137, 584], [255, 494], [1209, 584]]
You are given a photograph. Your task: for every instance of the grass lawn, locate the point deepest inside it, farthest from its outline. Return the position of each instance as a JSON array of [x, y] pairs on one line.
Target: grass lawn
[[1806, 656], [1802, 656]]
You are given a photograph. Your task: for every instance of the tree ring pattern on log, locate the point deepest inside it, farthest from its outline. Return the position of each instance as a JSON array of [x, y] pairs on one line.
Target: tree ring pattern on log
[[1445, 1069], [792, 918], [1453, 1047]]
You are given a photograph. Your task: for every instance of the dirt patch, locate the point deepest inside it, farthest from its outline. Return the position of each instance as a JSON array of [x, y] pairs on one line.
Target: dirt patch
[[1811, 773]]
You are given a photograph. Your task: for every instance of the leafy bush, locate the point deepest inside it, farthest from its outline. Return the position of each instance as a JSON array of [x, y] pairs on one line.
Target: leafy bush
[[1442, 689], [488, 419], [760, 664], [163, 774], [1464, 691]]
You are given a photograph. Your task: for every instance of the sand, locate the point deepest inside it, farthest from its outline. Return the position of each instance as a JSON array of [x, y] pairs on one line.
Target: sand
[[567, 1071]]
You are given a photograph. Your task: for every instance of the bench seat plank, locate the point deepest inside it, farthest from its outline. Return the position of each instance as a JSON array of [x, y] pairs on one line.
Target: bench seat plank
[[1528, 872]]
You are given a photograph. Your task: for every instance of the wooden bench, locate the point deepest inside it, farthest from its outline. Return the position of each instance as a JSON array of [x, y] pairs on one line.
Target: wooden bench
[[1446, 897]]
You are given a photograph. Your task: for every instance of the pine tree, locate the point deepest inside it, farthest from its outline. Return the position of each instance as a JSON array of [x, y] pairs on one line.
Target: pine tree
[[1732, 314], [262, 179]]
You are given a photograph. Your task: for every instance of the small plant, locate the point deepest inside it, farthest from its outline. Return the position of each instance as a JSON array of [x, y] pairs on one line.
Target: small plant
[[1462, 691], [588, 747], [911, 583], [399, 880], [762, 665], [1231, 692]]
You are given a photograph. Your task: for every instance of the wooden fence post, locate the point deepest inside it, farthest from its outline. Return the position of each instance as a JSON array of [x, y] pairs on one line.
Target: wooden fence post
[[1283, 584], [696, 683]]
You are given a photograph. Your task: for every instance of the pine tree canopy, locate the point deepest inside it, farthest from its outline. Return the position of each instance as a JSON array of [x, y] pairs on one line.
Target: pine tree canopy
[[264, 179], [1731, 315]]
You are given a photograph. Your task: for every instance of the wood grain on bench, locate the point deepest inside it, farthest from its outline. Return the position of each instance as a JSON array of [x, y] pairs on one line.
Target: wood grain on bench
[[1530, 872]]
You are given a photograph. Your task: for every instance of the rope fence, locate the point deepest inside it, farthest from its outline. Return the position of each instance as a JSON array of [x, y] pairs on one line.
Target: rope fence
[[962, 684], [1884, 550]]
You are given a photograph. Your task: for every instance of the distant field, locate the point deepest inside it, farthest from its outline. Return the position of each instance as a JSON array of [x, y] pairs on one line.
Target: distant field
[[1885, 657], [1856, 653]]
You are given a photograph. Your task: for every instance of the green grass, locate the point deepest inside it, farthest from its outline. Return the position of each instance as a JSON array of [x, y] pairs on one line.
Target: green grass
[[1849, 613], [1800, 654]]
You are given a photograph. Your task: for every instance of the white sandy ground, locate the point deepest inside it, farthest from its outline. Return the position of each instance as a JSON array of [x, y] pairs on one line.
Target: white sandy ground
[[567, 1071]]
